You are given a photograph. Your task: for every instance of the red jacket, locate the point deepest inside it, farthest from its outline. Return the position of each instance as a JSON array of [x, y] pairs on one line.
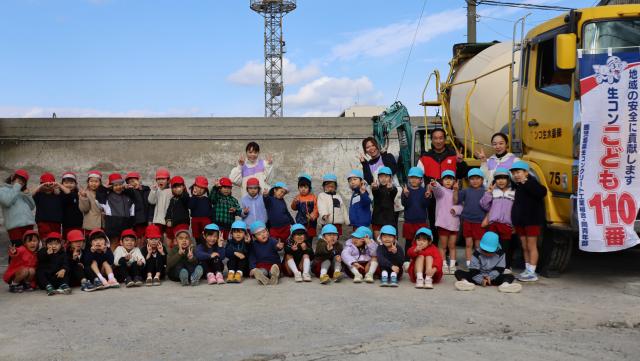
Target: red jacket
[[434, 163], [24, 258]]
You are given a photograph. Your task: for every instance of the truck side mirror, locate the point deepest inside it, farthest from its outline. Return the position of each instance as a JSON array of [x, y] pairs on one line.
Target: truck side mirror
[[566, 51]]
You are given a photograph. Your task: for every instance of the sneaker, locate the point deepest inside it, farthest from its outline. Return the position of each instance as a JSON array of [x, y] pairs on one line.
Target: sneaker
[[137, 281], [508, 271], [196, 275], [297, 277], [156, 281], [405, 266], [128, 282], [149, 282], [445, 268], [50, 290], [113, 283], [368, 278], [65, 289], [528, 277], [231, 277], [325, 279], [337, 276], [219, 278], [26, 287], [428, 283], [211, 279], [16, 288], [384, 280], [275, 274], [261, 277], [419, 283], [464, 285], [506, 287], [184, 277], [237, 278], [98, 284], [87, 286], [357, 278], [306, 277], [394, 281], [525, 273], [452, 269]]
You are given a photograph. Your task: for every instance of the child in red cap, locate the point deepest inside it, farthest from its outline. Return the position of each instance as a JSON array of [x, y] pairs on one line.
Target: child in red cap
[[92, 212], [48, 205], [17, 206], [252, 203], [159, 198], [118, 208], [53, 267], [128, 261], [98, 261], [225, 207], [75, 257], [154, 255], [139, 193], [20, 275], [177, 215], [200, 207]]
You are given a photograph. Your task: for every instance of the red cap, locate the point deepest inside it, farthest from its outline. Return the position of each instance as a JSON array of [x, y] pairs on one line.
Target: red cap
[[22, 173], [115, 178], [53, 235], [132, 175], [30, 232], [163, 173], [225, 182], [96, 231], [47, 178], [69, 175], [75, 236], [152, 231], [252, 182], [176, 180], [128, 233], [201, 182], [94, 174]]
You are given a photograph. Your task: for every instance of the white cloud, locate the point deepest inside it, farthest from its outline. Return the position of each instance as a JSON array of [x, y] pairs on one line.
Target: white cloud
[[70, 112], [252, 73]]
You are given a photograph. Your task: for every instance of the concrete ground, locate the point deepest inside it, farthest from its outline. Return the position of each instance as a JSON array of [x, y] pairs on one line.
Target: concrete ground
[[583, 315]]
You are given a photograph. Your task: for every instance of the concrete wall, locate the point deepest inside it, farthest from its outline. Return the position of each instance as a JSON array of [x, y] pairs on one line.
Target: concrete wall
[[187, 146]]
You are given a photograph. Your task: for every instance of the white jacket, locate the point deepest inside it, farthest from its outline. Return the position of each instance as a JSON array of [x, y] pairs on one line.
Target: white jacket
[[161, 198], [135, 253], [337, 215]]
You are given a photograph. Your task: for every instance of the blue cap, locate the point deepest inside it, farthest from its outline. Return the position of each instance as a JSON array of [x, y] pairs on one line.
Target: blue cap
[[282, 185], [425, 231], [391, 230], [385, 170], [329, 177], [356, 173], [475, 172], [328, 229], [305, 176], [212, 228], [362, 232], [298, 227], [416, 172], [448, 173], [490, 242], [237, 225], [521, 164], [501, 172], [257, 226]]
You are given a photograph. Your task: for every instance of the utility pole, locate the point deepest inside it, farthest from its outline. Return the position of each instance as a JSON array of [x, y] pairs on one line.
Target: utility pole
[[471, 21]]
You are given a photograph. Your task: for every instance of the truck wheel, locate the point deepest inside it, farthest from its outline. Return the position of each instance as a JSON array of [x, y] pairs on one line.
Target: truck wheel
[[556, 247]]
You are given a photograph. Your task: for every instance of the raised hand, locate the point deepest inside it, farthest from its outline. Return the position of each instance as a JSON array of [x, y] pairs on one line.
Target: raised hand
[[405, 190], [480, 154], [241, 160]]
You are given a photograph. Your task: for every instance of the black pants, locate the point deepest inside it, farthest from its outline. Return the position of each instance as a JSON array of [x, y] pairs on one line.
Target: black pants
[[76, 273], [465, 275], [174, 275], [125, 270], [50, 278], [507, 246], [155, 265], [236, 264], [213, 265]]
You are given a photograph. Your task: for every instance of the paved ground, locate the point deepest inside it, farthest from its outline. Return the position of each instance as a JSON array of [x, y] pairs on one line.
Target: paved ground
[[584, 315]]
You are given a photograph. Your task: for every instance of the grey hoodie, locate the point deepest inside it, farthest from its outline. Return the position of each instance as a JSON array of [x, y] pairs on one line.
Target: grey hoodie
[[482, 265]]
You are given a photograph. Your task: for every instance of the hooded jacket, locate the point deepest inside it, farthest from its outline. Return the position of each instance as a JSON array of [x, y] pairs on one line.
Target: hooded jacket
[[17, 206]]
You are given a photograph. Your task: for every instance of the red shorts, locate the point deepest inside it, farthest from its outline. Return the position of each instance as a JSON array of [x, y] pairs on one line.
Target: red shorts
[[45, 228], [528, 231], [446, 232], [472, 230], [280, 233], [311, 231], [171, 231], [409, 230], [198, 224], [16, 234], [316, 265], [503, 230], [266, 266]]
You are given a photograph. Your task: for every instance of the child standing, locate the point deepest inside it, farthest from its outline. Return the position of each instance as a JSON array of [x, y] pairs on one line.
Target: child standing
[[139, 193], [72, 217], [48, 205], [298, 254], [487, 268], [99, 261], [263, 255], [118, 208], [498, 202], [21, 273], [390, 257], [53, 268], [237, 252], [306, 203], [280, 219], [200, 207], [17, 206], [415, 200], [225, 206], [182, 264], [528, 215], [328, 255], [177, 216], [253, 208], [360, 202], [447, 219], [128, 260], [154, 256], [331, 206], [426, 262], [384, 194], [211, 253], [251, 166], [159, 198], [88, 204], [472, 212], [75, 257], [359, 255]]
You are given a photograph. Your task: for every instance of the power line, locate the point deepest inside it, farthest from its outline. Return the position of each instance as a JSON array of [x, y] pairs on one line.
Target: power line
[[424, 5], [520, 5]]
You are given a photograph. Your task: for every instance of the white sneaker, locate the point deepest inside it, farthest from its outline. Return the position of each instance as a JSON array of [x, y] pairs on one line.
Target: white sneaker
[[525, 273], [445, 268], [306, 277], [428, 283], [357, 278], [368, 278], [452, 269], [529, 277], [297, 277], [405, 266], [507, 271], [506, 287], [464, 285], [419, 283]]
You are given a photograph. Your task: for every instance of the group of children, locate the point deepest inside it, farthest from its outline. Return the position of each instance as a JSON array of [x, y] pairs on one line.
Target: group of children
[[103, 235]]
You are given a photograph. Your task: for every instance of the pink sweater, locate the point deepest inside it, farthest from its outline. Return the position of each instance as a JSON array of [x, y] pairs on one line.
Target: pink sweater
[[444, 205]]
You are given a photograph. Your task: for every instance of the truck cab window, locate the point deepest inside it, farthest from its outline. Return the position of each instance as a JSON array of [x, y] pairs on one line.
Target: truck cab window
[[554, 82], [599, 36]]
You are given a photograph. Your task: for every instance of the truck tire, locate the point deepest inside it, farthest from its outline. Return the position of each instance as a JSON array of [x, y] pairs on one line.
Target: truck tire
[[556, 247]]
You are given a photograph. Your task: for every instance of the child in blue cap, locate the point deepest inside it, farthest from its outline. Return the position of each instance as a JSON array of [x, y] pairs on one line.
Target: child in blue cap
[[306, 205], [359, 255], [298, 254], [472, 213], [331, 207], [360, 202], [447, 218], [237, 252], [264, 258], [327, 255], [425, 268], [384, 194], [390, 257], [487, 268], [211, 252], [415, 201]]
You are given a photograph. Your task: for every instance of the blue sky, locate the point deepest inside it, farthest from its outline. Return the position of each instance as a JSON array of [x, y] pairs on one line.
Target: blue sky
[[204, 58]]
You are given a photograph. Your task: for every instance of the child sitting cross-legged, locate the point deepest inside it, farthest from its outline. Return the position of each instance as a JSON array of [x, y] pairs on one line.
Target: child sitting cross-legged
[[182, 264], [359, 255], [211, 253], [263, 255]]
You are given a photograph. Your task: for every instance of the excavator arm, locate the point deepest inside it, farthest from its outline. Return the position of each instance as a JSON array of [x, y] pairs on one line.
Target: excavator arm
[[395, 117]]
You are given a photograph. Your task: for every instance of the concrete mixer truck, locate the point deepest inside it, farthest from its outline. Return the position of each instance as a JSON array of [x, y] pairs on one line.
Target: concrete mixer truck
[[528, 89]]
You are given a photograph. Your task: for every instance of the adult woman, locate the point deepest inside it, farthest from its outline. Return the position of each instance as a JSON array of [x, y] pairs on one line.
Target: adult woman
[[500, 159], [376, 160], [252, 167]]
